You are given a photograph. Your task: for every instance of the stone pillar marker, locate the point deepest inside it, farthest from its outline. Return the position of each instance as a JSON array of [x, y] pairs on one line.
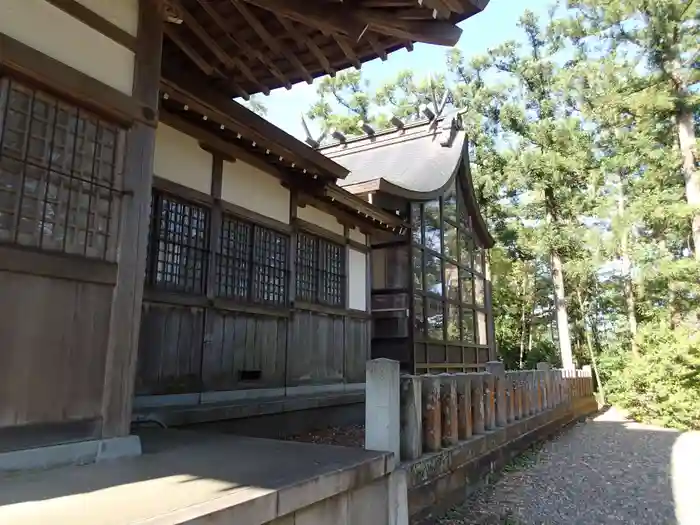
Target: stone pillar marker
[[498, 370], [478, 411], [464, 406], [411, 417], [448, 407], [432, 431], [382, 407]]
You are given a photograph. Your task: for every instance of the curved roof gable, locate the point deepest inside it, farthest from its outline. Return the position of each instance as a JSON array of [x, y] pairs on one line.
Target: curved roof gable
[[417, 162]]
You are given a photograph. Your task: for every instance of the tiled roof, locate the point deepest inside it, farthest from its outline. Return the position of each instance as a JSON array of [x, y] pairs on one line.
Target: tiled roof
[[417, 161]]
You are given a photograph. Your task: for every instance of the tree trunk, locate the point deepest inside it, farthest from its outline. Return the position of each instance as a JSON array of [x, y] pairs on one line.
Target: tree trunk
[[523, 328], [626, 263], [686, 142], [588, 329], [567, 357]]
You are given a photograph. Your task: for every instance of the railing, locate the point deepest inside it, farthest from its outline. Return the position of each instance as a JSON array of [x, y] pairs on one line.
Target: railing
[[413, 415]]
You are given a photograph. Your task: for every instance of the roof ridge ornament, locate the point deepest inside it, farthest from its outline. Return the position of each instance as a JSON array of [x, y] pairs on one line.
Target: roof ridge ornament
[[449, 128], [314, 143]]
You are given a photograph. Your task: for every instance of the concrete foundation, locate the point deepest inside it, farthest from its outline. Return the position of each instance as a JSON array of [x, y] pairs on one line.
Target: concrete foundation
[[197, 477], [78, 453]]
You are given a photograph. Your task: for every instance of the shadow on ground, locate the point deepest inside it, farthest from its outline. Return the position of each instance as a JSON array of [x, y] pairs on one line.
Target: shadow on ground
[[604, 471]]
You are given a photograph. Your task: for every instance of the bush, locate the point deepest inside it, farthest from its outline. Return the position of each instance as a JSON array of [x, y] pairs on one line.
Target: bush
[[662, 386]]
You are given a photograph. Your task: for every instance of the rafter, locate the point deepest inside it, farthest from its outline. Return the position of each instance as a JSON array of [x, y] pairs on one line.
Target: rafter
[[305, 41], [328, 19], [192, 23], [346, 20], [271, 42], [173, 34], [379, 50], [347, 50], [439, 7], [247, 72]]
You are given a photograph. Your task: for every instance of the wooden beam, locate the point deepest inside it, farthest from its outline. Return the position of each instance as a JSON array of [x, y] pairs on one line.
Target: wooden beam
[[219, 144], [307, 42], [211, 44], [264, 35], [327, 18], [173, 34], [70, 83], [379, 50], [346, 48], [353, 22], [440, 10], [88, 17], [217, 105], [438, 32], [472, 7], [225, 27], [125, 316]]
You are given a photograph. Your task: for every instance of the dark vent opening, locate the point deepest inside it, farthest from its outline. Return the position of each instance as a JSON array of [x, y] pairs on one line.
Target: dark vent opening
[[250, 375]]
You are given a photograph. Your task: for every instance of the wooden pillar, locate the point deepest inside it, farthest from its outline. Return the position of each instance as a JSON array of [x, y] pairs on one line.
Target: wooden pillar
[[498, 371], [411, 418], [449, 412], [432, 425], [125, 319], [464, 406], [478, 410]]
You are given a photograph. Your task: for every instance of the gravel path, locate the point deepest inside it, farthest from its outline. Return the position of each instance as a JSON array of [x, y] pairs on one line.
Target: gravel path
[[604, 471]]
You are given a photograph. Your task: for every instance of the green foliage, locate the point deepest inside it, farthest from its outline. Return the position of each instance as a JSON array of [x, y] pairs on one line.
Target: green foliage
[[662, 386], [574, 139]]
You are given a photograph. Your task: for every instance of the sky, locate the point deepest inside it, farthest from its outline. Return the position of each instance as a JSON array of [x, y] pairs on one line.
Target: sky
[[496, 24]]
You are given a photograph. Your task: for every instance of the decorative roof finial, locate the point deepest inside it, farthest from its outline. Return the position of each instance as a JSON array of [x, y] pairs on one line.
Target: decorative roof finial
[[369, 130], [396, 121], [314, 143], [338, 135]]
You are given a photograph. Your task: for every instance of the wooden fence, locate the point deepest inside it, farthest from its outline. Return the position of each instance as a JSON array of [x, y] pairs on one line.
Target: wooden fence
[[416, 415]]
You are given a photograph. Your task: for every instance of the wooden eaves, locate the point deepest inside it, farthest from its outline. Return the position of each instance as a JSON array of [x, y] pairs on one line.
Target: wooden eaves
[[252, 46]]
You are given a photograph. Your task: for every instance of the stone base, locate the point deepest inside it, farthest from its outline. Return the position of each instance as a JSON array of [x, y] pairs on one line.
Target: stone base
[[78, 453]]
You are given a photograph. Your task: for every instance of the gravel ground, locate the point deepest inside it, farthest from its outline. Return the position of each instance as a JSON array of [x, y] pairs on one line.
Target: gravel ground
[[604, 471]]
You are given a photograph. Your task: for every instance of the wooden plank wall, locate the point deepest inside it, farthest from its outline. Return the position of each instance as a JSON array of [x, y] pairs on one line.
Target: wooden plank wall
[[52, 361], [240, 342], [170, 349], [327, 349], [182, 352]]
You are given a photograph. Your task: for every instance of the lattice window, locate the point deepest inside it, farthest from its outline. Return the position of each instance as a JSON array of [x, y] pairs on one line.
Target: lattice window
[[233, 263], [306, 265], [332, 273], [320, 268], [252, 263], [60, 174], [270, 266], [179, 247]]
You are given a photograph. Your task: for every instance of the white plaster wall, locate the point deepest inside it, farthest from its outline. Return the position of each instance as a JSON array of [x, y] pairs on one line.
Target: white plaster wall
[[55, 33], [357, 236], [319, 218], [122, 13], [179, 158], [357, 280], [255, 190]]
